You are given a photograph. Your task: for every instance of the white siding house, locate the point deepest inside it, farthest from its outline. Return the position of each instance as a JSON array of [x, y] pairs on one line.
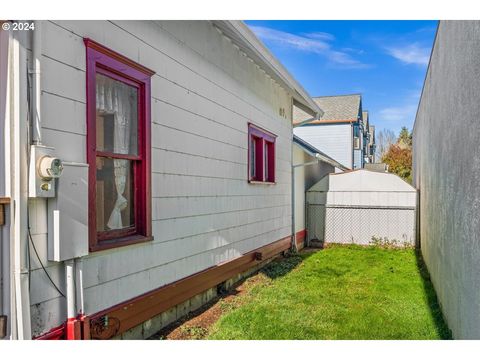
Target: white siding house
[[209, 81], [341, 132], [335, 140]]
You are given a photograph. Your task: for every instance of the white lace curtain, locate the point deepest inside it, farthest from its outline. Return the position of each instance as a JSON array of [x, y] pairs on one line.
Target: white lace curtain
[[114, 97]]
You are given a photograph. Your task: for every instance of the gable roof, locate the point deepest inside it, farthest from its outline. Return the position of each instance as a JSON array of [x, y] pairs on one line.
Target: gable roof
[[337, 109]]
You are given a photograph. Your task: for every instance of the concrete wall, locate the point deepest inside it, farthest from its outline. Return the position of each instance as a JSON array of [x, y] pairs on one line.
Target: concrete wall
[[446, 161], [204, 211], [335, 140]]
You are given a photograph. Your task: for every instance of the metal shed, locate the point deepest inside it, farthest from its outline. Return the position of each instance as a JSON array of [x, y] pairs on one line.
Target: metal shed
[[355, 206]]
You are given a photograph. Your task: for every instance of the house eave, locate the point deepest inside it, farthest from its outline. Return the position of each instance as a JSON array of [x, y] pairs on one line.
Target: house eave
[[246, 40]]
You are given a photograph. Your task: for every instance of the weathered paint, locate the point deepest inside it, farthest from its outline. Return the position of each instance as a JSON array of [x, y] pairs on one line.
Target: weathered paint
[[446, 164], [204, 212]]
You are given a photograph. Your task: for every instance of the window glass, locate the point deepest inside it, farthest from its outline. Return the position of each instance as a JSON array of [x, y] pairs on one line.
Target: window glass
[[114, 190], [117, 116]]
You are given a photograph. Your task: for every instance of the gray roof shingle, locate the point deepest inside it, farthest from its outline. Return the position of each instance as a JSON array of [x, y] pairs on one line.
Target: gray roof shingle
[[340, 108]]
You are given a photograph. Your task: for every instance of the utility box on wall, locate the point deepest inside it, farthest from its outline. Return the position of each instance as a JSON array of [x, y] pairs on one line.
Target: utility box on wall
[[68, 214]]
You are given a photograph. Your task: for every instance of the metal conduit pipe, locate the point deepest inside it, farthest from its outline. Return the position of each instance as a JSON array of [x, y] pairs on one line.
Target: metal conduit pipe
[[36, 88]]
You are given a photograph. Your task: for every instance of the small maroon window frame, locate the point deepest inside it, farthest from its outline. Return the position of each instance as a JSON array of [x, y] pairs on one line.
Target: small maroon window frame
[[106, 61], [261, 155]]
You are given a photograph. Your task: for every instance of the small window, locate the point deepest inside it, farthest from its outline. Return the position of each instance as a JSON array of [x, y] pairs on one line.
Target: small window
[[118, 149], [261, 148]]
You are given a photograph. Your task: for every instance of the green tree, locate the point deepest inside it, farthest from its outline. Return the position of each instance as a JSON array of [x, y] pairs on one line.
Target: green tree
[[404, 138], [398, 156], [399, 161]]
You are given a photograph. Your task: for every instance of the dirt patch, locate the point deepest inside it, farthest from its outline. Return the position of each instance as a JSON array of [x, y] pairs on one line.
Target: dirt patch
[[197, 324]]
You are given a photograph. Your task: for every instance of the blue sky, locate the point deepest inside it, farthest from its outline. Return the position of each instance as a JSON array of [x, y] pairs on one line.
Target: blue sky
[[385, 61]]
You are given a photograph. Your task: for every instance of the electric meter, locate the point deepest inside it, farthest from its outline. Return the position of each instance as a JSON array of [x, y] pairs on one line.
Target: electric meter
[[49, 167], [44, 169]]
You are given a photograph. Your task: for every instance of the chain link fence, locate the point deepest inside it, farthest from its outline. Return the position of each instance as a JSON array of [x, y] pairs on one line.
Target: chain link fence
[[361, 224]]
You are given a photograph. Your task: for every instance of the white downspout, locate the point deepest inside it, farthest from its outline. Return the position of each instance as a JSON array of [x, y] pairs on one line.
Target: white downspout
[[19, 191], [70, 294], [79, 286]]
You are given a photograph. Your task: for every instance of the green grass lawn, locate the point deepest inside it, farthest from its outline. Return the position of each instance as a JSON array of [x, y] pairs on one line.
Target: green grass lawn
[[342, 292]]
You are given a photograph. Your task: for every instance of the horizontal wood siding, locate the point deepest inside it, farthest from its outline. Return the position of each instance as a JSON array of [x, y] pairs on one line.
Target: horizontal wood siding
[[335, 140], [204, 211]]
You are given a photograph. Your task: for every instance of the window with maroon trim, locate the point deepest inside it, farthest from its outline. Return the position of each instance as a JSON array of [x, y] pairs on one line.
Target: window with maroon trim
[[118, 148], [261, 155]]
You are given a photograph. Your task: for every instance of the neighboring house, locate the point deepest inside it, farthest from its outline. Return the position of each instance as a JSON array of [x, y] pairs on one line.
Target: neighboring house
[[372, 145], [368, 139], [309, 166], [446, 173], [340, 132], [176, 143]]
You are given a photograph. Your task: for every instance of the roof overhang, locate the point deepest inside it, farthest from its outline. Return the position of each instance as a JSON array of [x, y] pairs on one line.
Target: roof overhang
[[320, 122], [313, 151], [246, 40]]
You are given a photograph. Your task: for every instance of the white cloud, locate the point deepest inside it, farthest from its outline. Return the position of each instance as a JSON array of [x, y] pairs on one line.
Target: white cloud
[[403, 115], [317, 43], [411, 54], [320, 36]]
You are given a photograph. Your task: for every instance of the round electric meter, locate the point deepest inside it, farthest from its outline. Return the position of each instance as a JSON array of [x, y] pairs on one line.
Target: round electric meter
[[50, 167]]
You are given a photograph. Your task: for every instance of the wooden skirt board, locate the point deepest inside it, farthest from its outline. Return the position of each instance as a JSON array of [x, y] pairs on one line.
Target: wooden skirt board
[[122, 317], [301, 236]]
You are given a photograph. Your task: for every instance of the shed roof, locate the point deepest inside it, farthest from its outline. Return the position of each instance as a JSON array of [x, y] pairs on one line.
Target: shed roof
[[362, 180], [336, 109]]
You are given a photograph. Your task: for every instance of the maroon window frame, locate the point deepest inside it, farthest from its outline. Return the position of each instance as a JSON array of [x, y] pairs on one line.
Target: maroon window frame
[[101, 60], [261, 155]]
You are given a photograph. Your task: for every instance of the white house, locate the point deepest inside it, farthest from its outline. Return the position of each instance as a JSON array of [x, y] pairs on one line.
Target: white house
[[142, 163], [340, 132]]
